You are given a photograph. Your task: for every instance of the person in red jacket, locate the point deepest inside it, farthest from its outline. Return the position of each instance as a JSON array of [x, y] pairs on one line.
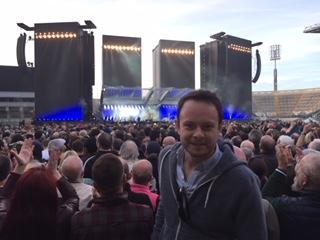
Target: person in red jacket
[[141, 181]]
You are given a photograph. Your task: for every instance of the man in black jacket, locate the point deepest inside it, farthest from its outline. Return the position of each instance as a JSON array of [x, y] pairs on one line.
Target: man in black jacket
[[104, 144], [299, 216], [267, 152]]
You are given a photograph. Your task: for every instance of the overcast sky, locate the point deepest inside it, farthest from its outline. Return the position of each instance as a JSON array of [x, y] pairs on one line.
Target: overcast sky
[[272, 22]]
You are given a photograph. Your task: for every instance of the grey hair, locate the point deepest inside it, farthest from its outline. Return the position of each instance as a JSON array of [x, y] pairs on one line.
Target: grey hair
[[311, 168], [129, 150], [315, 144]]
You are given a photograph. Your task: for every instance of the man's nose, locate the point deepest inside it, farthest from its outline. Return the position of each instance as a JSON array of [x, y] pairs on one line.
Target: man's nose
[[198, 132]]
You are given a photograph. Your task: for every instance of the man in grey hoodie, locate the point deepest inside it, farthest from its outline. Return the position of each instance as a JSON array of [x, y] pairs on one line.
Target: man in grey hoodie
[[206, 193]]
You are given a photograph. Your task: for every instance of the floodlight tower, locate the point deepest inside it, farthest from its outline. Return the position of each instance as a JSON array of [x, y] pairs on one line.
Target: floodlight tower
[[274, 56]]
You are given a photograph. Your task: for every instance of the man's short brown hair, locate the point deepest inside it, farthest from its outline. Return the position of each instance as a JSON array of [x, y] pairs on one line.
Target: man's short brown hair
[[107, 173]]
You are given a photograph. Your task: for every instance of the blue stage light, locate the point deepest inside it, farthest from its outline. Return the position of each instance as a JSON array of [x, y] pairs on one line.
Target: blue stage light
[[74, 113]]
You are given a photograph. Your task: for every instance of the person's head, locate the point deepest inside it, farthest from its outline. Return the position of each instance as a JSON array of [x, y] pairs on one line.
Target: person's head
[[247, 144], [90, 145], [129, 150], [78, 146], [38, 134], [142, 172], [116, 144], [83, 133], [33, 208], [267, 144], [199, 118], [254, 136], [285, 140], [72, 169], [2, 146], [66, 154], [168, 140], [259, 167], [107, 174], [5, 167], [153, 147], [295, 136], [310, 136], [239, 153], [248, 152], [56, 146], [94, 132], [274, 133], [315, 144], [154, 134], [307, 172], [236, 140], [104, 141]]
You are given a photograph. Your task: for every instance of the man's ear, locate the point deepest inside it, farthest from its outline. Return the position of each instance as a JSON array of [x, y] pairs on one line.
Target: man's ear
[[305, 181]]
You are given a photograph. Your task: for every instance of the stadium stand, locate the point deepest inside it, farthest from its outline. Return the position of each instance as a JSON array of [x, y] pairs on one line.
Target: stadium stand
[[289, 103]]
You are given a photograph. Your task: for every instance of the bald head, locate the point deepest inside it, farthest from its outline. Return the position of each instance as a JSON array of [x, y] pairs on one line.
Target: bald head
[[267, 144], [239, 153], [168, 140], [142, 172], [72, 168], [315, 144], [248, 152], [247, 144]]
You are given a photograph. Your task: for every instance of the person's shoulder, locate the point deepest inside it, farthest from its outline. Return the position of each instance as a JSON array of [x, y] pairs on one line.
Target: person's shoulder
[[238, 169], [82, 186], [82, 217], [168, 149], [89, 160], [141, 210]]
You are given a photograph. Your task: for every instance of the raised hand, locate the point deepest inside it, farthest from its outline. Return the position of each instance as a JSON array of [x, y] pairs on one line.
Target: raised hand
[[282, 157], [24, 157], [52, 166]]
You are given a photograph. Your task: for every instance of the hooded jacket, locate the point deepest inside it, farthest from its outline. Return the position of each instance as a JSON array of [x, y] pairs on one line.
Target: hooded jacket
[[226, 204]]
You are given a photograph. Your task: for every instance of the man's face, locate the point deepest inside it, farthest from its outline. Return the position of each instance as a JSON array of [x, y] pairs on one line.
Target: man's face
[[198, 126]]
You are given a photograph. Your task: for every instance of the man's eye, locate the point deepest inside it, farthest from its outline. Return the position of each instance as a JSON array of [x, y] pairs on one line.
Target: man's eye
[[189, 126], [207, 127]]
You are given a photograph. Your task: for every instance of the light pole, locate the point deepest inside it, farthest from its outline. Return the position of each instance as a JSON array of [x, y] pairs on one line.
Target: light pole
[[274, 56]]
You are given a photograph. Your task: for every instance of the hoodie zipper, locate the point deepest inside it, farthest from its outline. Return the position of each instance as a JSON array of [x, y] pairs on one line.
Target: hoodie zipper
[[213, 179], [178, 230]]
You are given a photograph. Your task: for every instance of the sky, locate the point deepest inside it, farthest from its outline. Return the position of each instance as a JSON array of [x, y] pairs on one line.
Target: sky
[[269, 21]]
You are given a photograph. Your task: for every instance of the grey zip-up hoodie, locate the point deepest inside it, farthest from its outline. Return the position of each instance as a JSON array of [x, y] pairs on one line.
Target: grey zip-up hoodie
[[225, 205]]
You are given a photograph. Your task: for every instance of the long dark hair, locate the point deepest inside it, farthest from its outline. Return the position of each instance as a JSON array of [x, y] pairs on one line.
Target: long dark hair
[[33, 208]]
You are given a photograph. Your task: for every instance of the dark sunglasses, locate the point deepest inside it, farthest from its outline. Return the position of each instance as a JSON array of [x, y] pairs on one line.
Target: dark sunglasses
[[183, 208]]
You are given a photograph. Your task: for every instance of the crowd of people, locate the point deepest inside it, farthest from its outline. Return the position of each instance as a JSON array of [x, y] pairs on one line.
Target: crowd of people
[[198, 178]]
